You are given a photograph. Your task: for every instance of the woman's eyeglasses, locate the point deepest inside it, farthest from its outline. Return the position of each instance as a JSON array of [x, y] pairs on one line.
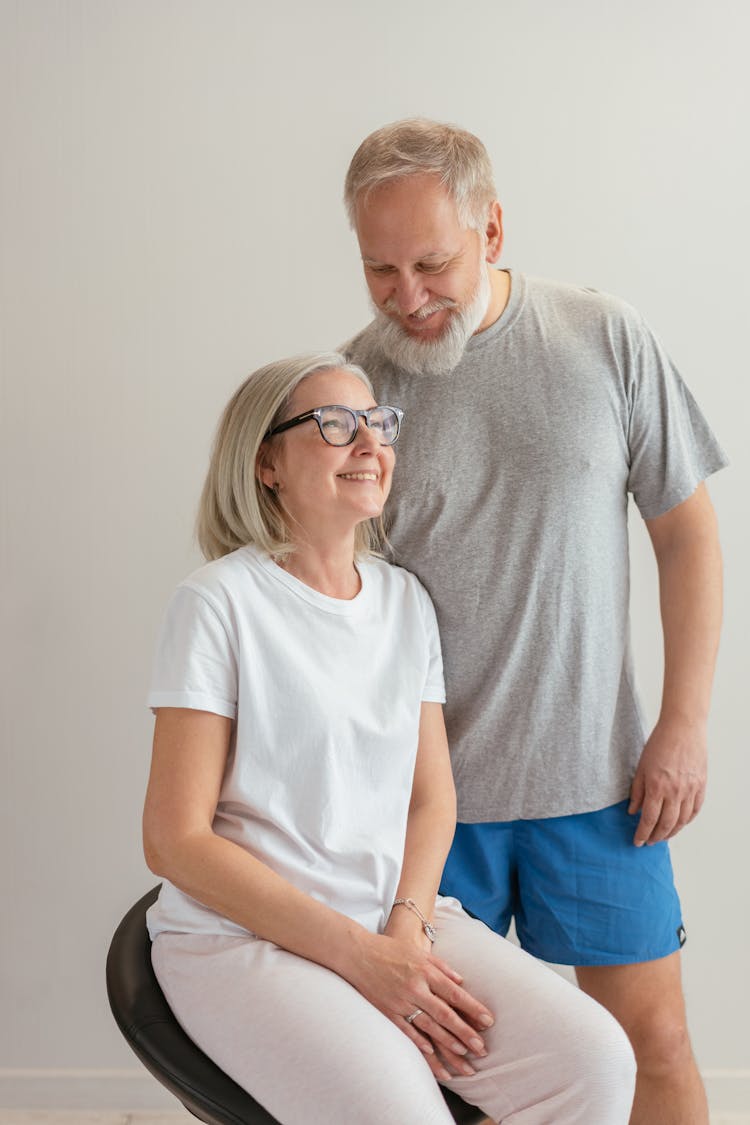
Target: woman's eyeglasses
[[338, 425]]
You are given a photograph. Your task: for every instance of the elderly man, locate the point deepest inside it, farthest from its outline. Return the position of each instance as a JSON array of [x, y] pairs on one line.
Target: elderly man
[[532, 410]]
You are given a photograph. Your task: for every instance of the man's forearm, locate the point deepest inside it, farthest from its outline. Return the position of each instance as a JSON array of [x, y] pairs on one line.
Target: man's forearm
[[670, 782], [688, 555]]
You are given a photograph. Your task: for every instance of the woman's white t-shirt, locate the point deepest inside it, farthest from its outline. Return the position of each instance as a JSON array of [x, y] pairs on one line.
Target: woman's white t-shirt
[[326, 695]]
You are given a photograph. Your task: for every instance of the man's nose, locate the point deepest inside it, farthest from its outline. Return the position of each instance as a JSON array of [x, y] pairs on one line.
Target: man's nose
[[410, 293]]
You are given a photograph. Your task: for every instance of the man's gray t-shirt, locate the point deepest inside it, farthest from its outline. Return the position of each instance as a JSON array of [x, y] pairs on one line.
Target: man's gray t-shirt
[[510, 504]]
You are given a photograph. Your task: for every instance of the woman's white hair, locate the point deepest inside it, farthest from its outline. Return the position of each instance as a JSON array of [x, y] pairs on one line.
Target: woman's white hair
[[417, 146], [236, 508]]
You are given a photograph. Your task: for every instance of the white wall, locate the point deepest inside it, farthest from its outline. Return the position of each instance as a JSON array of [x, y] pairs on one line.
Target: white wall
[[171, 218]]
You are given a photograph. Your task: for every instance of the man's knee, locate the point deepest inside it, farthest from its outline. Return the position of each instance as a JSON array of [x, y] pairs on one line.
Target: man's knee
[[661, 1044]]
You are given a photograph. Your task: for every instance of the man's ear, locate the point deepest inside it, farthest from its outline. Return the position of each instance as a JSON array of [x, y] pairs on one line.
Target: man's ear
[[265, 469], [494, 233]]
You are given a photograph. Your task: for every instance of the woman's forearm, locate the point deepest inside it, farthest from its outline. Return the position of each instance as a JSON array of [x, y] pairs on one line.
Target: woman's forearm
[[187, 767], [428, 840], [430, 827], [228, 879]]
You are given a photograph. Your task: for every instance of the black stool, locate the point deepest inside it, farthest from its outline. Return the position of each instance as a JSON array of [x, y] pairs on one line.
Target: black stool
[[146, 1021]]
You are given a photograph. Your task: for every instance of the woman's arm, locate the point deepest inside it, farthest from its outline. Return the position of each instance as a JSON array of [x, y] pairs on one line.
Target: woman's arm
[[394, 972], [430, 828], [188, 761]]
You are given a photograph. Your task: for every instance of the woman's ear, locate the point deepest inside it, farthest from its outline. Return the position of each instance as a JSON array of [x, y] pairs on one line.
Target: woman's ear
[[265, 468]]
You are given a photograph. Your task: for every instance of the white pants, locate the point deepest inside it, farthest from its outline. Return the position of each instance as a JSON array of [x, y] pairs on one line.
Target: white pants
[[312, 1050]]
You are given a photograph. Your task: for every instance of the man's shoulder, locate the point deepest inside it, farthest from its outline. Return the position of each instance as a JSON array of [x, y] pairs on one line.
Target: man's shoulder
[[350, 346], [576, 298], [362, 349]]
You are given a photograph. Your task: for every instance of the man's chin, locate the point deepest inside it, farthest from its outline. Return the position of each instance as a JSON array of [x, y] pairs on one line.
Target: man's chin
[[432, 327], [433, 352], [426, 335]]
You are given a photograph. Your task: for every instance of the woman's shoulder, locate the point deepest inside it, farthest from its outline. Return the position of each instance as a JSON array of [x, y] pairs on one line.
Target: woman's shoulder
[[397, 579], [221, 578]]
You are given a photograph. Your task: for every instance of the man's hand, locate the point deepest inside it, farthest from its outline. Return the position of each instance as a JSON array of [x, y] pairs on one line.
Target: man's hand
[[670, 783]]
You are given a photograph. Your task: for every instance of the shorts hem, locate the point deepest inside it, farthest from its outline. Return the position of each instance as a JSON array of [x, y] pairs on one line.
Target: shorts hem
[[584, 961]]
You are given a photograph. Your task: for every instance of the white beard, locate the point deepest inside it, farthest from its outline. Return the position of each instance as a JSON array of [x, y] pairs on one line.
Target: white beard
[[441, 355]]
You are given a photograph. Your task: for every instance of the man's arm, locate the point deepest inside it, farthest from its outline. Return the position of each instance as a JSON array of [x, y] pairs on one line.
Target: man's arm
[[670, 783]]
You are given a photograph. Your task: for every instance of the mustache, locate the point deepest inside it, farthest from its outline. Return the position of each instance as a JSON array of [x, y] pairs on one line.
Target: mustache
[[391, 307]]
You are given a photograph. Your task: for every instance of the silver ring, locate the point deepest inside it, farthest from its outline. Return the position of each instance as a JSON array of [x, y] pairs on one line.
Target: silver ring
[[413, 1016]]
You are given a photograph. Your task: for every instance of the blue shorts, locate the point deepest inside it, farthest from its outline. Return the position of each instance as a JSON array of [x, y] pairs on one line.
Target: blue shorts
[[581, 893]]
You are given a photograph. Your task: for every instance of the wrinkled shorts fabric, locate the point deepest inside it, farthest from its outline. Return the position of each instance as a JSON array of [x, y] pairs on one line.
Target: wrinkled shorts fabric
[[578, 889]]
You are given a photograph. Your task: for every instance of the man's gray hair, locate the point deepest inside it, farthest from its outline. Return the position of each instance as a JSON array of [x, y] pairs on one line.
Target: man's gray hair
[[417, 146]]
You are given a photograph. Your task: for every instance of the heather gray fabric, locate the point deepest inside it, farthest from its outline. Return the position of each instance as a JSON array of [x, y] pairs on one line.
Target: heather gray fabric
[[510, 504]]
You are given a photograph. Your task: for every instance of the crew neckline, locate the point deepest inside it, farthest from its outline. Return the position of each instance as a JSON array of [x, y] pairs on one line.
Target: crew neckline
[[344, 607], [507, 317]]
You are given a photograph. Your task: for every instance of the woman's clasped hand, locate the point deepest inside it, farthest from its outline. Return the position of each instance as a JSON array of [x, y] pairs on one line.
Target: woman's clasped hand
[[399, 976]]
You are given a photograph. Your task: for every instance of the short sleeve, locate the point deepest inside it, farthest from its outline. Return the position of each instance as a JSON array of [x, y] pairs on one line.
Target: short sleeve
[[434, 686], [195, 664], [672, 447]]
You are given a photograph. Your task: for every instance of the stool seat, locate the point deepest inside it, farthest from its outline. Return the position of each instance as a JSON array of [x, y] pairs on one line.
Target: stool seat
[[153, 1033]]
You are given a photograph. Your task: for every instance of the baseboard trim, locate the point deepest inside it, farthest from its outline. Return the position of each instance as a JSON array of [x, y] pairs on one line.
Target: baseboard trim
[[728, 1090], [83, 1089]]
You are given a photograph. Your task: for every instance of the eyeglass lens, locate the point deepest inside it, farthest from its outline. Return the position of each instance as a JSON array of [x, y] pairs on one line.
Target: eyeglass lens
[[338, 424]]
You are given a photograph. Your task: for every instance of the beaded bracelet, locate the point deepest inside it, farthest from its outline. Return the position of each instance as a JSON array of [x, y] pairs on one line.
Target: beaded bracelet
[[410, 904]]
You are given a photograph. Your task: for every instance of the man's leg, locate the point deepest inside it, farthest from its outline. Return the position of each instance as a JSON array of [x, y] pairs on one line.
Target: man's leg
[[648, 1003], [589, 898], [586, 895]]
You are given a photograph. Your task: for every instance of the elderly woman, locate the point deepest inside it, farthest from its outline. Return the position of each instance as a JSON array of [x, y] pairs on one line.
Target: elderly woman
[[301, 805]]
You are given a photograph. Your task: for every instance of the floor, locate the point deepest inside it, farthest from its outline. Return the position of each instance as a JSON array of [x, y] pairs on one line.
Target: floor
[[144, 1117], [95, 1117]]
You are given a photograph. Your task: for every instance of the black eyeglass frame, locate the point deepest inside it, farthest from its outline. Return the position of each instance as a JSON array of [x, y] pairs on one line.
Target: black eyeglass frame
[[356, 414]]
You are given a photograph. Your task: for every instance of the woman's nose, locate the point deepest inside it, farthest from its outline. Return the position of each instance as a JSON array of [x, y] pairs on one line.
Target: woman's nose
[[365, 441]]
